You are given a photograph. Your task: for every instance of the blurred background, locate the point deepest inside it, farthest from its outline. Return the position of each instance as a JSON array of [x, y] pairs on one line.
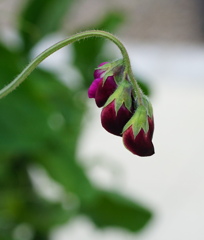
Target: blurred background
[[62, 176]]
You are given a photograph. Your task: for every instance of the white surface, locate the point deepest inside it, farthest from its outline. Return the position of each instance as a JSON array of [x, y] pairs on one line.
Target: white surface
[[171, 182]]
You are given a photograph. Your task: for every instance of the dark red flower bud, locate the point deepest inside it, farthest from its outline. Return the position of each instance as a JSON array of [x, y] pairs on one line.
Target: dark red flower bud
[[116, 92], [117, 110], [101, 91], [138, 133], [104, 90], [102, 87], [114, 121]]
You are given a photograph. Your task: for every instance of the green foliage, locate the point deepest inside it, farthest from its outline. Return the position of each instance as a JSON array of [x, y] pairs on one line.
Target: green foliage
[[113, 209], [40, 124], [41, 17]]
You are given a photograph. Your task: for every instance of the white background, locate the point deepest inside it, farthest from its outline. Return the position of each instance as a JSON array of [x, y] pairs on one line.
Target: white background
[[171, 182]]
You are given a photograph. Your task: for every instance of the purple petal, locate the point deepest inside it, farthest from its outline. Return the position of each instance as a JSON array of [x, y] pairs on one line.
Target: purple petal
[[93, 87]]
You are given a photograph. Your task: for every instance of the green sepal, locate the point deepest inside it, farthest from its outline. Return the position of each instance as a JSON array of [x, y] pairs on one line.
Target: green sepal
[[148, 106], [115, 69], [122, 95], [109, 66], [138, 121]]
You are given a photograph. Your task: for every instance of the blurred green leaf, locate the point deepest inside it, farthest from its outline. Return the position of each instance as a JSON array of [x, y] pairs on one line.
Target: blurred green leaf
[[41, 17], [44, 216], [10, 64], [114, 210], [26, 127], [64, 168], [28, 110], [87, 52], [20, 204], [43, 118], [40, 123]]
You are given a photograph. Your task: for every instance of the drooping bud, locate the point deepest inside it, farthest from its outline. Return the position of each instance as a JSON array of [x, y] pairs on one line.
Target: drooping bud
[[118, 109], [104, 83], [98, 76], [104, 90], [138, 132]]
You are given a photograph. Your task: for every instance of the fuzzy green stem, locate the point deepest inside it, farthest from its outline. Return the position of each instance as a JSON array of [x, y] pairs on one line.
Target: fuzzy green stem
[[93, 33]]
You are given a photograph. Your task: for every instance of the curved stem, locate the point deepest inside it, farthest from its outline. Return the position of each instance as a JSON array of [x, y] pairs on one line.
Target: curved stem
[[94, 33], [137, 92]]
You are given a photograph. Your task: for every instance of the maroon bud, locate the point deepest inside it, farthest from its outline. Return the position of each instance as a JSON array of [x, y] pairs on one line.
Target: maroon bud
[[102, 87], [126, 111], [114, 121], [104, 90], [141, 144], [101, 91]]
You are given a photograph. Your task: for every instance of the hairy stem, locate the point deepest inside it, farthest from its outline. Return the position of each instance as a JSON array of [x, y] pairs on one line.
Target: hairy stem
[[93, 33]]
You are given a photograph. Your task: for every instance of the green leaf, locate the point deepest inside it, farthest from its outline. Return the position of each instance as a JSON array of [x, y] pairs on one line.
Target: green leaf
[[26, 113], [41, 123], [28, 125], [115, 210], [43, 119], [10, 64], [63, 168], [19, 202], [41, 17], [22, 205], [44, 215]]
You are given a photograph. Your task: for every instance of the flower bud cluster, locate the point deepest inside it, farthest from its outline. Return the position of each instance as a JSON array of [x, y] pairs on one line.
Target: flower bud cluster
[[122, 114]]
